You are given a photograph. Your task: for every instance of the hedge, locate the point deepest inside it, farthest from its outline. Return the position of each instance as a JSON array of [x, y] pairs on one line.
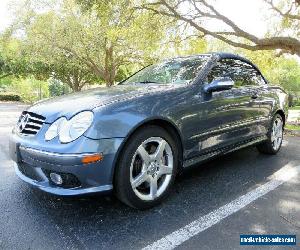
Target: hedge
[[6, 96]]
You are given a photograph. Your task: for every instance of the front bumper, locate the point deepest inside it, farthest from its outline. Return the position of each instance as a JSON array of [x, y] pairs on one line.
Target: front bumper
[[45, 185], [34, 163]]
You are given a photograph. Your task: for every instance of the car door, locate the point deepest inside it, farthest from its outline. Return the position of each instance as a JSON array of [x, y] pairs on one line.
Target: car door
[[265, 98], [250, 81], [226, 117]]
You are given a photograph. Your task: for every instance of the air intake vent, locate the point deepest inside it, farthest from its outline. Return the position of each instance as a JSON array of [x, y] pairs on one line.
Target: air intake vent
[[30, 123]]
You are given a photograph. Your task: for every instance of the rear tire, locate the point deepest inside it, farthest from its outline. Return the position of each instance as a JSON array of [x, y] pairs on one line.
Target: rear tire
[[146, 168], [275, 136]]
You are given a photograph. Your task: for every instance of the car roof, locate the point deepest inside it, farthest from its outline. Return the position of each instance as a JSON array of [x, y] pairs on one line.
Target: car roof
[[222, 55]]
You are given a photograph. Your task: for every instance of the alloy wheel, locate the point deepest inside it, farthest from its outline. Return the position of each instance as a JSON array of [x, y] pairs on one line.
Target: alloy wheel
[[151, 168], [277, 133]]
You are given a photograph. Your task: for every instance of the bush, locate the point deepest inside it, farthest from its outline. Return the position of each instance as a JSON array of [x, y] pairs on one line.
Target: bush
[[30, 89], [57, 88], [9, 97]]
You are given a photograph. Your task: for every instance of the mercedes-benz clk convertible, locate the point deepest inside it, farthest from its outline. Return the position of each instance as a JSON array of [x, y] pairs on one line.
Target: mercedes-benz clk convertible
[[132, 139]]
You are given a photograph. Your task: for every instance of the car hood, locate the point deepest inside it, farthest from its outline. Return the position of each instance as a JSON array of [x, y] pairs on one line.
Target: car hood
[[71, 104]]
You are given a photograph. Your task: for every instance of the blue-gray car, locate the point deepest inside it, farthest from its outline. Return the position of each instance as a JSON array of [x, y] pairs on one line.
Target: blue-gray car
[[133, 138]]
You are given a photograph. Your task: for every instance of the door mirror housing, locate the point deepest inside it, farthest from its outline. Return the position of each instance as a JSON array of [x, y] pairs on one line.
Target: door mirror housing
[[219, 84]]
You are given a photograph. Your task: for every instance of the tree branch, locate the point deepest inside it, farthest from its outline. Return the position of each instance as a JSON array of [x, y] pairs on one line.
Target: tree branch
[[286, 14], [252, 42]]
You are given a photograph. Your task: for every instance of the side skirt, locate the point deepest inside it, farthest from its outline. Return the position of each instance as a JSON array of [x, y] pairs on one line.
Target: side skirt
[[223, 151]]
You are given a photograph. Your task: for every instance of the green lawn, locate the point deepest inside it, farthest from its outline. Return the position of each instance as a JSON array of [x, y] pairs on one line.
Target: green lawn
[[294, 108], [292, 127]]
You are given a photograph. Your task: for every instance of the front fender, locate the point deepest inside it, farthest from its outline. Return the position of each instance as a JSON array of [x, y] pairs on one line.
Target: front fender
[[120, 118], [113, 125]]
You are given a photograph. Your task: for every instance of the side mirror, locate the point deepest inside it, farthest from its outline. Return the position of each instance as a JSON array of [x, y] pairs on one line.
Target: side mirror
[[219, 84]]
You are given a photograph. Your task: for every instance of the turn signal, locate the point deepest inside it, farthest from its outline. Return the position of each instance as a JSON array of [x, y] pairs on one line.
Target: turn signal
[[91, 158]]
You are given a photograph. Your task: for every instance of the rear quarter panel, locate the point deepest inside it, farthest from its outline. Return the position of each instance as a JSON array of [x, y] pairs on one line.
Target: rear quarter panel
[[273, 99]]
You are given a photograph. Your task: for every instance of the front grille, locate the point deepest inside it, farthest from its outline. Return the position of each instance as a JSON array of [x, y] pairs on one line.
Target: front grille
[[30, 123]]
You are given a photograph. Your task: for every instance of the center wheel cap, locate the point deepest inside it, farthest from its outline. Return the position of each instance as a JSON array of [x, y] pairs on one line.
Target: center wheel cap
[[153, 167]]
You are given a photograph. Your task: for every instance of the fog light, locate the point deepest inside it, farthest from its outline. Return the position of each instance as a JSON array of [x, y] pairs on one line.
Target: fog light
[[56, 178]]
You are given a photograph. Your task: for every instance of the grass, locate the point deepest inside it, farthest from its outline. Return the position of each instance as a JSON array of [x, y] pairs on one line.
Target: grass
[[292, 127], [294, 108]]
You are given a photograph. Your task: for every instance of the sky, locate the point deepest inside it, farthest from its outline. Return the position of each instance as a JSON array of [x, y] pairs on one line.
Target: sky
[[5, 17], [246, 13]]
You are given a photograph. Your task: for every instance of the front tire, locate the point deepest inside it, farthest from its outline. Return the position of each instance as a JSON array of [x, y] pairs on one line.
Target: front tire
[[147, 168], [275, 136]]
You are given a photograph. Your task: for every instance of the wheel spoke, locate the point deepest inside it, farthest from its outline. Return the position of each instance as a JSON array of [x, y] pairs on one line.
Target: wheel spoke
[[160, 150], [273, 138], [144, 154], [153, 188], [140, 179], [164, 169], [278, 128]]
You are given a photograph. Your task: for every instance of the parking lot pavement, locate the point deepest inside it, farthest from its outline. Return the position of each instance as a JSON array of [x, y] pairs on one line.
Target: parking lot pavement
[[30, 219]]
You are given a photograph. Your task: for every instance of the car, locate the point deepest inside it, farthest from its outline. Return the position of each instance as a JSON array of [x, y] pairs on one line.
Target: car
[[132, 139]]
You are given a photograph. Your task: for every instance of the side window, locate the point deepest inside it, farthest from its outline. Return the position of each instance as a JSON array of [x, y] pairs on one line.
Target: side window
[[222, 69], [246, 74], [242, 73], [259, 79]]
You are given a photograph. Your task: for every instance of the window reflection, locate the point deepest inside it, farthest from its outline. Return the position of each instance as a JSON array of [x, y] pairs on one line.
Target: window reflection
[[242, 73], [176, 71]]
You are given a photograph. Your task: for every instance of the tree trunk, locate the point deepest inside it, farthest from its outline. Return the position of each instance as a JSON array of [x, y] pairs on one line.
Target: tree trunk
[[74, 83], [109, 66]]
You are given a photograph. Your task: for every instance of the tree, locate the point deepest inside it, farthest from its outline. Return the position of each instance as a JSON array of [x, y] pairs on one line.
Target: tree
[[199, 11], [81, 47], [9, 59], [56, 87], [4, 68]]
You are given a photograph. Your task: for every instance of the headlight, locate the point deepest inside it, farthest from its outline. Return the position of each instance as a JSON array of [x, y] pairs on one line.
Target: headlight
[[53, 130], [74, 128]]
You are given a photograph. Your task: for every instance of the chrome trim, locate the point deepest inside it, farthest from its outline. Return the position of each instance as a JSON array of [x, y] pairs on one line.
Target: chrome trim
[[30, 129], [53, 154], [36, 119], [34, 124]]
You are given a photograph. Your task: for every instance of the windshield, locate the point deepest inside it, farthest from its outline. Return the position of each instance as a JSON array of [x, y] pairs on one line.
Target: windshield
[[177, 71]]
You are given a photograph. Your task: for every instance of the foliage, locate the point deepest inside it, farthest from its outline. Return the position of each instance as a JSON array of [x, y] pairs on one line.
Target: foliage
[[74, 44], [292, 127], [197, 14], [16, 63], [92, 46], [7, 96], [295, 108], [30, 89], [57, 88], [283, 71]]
